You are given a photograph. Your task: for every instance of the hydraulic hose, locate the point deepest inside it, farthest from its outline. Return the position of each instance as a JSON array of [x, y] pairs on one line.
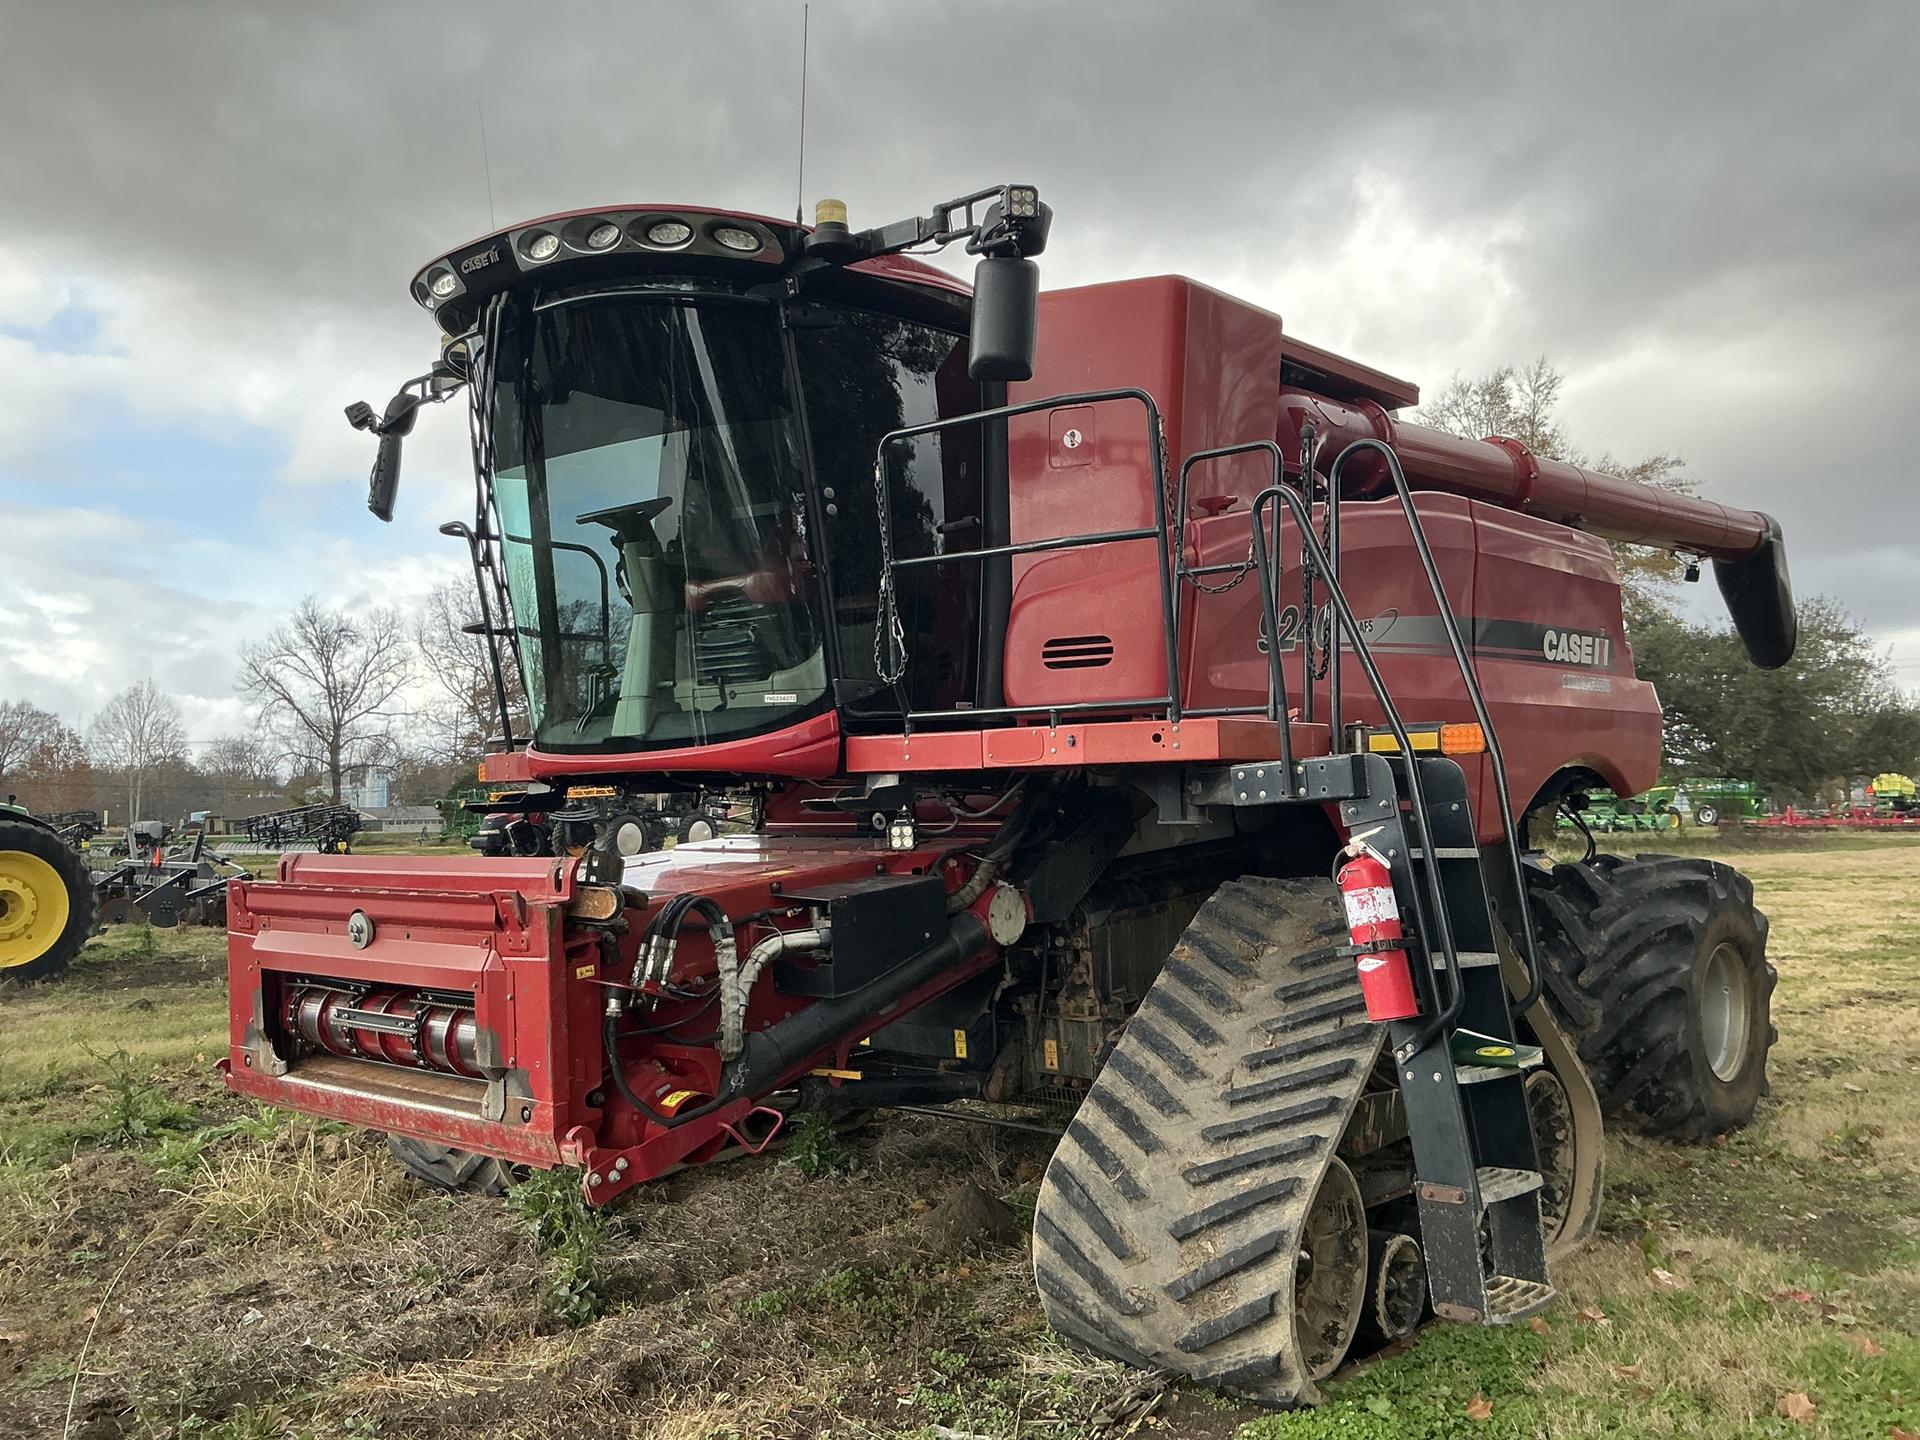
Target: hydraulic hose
[[737, 978], [770, 1055]]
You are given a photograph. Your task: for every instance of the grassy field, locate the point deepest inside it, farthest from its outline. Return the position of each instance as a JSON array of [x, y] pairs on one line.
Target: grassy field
[[174, 1264]]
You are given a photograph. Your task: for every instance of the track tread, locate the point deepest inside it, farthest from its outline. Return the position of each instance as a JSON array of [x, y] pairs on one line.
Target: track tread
[[1231, 1116]]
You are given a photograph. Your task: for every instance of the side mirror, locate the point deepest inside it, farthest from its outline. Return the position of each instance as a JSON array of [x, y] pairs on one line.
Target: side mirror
[[384, 483], [1006, 314]]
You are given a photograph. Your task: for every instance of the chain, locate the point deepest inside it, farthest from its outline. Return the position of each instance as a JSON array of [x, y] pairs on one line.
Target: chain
[[1171, 500]]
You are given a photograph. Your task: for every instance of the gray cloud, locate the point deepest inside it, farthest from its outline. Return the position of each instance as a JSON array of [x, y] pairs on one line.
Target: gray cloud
[[1705, 213]]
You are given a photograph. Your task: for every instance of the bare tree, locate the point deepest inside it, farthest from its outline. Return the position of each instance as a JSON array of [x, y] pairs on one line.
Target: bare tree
[[240, 765], [330, 686], [137, 733], [1518, 402], [469, 708], [24, 728]]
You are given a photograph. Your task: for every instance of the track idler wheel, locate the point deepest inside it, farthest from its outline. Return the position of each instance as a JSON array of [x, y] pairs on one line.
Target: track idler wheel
[[1396, 1295], [1330, 1282]]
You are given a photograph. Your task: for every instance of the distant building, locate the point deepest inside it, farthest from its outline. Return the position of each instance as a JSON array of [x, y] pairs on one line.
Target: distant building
[[400, 819]]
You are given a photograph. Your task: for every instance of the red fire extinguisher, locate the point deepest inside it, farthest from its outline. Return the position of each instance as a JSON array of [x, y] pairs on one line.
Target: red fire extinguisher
[[1373, 922]]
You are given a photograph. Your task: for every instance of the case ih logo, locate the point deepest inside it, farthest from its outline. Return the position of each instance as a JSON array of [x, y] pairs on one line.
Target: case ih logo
[[480, 261], [1577, 647]]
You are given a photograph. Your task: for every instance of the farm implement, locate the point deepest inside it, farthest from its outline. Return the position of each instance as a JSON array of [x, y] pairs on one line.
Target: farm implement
[[1139, 722]]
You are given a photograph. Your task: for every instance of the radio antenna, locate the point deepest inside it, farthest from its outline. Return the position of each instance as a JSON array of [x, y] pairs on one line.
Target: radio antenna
[[486, 158], [800, 185]]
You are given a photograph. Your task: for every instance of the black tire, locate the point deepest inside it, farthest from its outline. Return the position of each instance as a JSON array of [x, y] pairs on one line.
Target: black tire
[[36, 841], [1656, 967], [445, 1168], [1706, 815], [697, 827]]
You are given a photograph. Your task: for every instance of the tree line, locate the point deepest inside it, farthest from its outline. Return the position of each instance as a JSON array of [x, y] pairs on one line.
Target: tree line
[[1833, 714], [331, 691]]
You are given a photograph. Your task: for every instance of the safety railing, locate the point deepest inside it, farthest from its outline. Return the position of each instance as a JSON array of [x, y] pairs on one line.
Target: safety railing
[[892, 659]]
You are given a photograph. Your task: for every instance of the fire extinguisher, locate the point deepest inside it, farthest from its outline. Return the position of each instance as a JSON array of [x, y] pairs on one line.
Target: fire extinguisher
[[1379, 941]]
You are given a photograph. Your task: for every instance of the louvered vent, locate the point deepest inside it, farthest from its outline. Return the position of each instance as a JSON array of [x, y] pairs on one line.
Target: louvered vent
[[1077, 652]]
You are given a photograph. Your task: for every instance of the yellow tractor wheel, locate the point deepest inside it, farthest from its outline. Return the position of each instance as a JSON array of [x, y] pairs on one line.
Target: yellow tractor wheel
[[46, 902]]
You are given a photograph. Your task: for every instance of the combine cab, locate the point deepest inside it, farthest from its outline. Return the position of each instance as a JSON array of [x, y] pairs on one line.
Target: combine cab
[[1050, 682]]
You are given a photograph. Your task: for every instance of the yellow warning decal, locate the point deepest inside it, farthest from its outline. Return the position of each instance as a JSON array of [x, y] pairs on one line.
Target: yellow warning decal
[[1050, 1054], [677, 1099], [590, 792], [585, 972], [836, 1074], [959, 1044]]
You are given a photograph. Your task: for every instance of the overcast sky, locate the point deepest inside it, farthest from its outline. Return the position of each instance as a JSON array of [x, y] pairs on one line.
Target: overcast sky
[[1706, 214]]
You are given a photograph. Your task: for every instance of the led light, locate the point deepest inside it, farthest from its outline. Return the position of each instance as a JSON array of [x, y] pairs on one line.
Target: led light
[[1462, 740], [669, 232], [543, 246], [444, 284], [734, 238], [602, 235]]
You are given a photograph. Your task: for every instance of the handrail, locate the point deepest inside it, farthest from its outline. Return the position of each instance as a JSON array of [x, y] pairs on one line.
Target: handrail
[[887, 607], [1471, 679], [1436, 924]]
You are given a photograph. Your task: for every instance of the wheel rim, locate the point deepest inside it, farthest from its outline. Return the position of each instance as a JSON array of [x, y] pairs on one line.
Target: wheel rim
[[1726, 1011], [1330, 1281], [33, 908], [700, 830], [1552, 1115], [630, 838]]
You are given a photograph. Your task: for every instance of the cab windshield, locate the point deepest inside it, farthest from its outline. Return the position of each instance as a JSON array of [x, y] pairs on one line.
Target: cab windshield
[[650, 495], [651, 489]]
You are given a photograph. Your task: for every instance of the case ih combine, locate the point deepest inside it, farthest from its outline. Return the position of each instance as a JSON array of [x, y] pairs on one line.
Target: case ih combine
[[1024, 659]]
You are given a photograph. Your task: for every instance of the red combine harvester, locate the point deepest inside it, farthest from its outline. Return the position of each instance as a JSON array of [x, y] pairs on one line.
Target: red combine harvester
[[1060, 680]]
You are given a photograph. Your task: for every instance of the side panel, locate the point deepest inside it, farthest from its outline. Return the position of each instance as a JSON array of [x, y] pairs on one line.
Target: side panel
[[1554, 659], [1085, 624]]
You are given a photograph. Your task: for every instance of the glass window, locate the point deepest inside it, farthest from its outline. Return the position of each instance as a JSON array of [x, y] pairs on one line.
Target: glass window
[[863, 375]]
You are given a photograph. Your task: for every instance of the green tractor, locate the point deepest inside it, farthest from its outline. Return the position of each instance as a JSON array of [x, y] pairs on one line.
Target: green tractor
[[46, 897]]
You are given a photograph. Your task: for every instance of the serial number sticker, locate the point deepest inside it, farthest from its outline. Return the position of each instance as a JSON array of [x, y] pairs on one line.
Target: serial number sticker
[[1050, 1054], [780, 697], [959, 1044], [585, 972]]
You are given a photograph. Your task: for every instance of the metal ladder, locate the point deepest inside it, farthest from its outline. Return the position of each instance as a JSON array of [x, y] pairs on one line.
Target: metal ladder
[[1478, 1177]]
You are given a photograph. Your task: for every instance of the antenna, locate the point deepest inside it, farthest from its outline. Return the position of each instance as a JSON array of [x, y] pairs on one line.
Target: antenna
[[486, 159], [800, 184]]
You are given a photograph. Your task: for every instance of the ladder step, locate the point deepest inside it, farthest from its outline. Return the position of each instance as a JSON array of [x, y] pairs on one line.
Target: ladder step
[[1509, 1298], [1498, 1183], [1468, 958], [1481, 1074]]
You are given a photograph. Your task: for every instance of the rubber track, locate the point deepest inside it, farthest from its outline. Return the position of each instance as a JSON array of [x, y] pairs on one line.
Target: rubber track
[[1618, 942], [1167, 1227]]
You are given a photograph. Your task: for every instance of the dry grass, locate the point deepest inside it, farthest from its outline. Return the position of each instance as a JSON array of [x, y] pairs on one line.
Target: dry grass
[[289, 1283], [298, 1187]]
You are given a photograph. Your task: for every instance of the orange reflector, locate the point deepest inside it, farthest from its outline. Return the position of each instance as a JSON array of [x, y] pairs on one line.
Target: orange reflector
[[1462, 740], [1424, 742]]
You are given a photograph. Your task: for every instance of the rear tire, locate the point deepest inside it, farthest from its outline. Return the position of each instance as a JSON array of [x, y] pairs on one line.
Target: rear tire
[[40, 877], [698, 827], [1706, 815], [1656, 968], [445, 1168]]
